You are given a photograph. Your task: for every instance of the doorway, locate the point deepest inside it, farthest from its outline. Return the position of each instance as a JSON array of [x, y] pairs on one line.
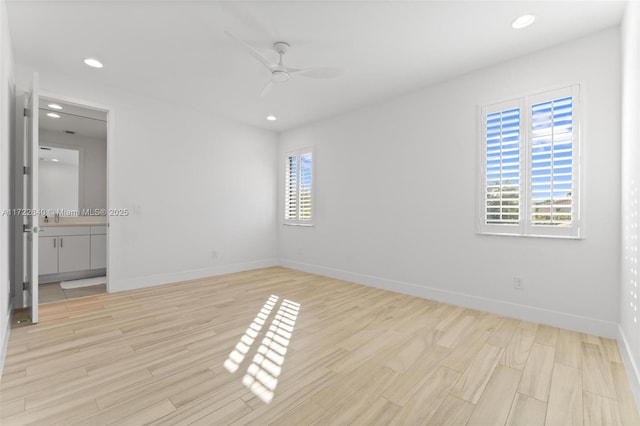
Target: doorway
[[72, 148], [72, 196]]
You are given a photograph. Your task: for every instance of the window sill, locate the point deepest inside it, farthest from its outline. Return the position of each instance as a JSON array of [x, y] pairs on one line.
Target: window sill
[[304, 225], [553, 237]]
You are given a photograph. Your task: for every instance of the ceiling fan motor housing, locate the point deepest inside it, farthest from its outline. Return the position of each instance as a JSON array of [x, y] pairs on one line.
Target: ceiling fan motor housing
[[280, 76], [281, 47]]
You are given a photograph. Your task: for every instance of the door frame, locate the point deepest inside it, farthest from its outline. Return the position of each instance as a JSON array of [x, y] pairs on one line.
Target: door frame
[[19, 263], [31, 222]]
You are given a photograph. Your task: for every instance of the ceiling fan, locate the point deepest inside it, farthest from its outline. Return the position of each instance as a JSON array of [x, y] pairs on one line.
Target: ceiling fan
[[281, 73]]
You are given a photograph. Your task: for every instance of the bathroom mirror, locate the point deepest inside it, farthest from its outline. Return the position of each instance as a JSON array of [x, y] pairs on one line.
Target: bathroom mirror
[[59, 179]]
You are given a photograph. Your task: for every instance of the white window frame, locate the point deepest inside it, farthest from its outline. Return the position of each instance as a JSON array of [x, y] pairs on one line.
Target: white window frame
[[525, 226], [297, 221]]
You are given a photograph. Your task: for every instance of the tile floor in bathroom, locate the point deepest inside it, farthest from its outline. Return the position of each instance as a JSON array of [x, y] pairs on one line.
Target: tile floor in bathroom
[[52, 292]]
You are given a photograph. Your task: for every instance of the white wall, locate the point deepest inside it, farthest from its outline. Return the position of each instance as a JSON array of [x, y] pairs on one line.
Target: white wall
[[396, 187], [194, 183], [629, 338], [93, 163], [6, 105]]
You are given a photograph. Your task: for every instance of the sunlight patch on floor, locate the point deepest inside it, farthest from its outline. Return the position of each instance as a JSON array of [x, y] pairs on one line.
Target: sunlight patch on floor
[[265, 368], [242, 347]]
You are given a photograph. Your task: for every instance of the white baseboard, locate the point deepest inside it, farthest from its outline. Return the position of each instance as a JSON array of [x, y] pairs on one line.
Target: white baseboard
[[630, 364], [5, 342], [564, 320], [116, 285]]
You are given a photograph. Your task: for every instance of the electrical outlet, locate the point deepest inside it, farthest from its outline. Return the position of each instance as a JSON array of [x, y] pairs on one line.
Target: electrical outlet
[[518, 283]]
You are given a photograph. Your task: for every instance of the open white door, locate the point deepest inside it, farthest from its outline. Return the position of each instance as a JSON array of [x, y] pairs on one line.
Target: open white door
[[30, 216]]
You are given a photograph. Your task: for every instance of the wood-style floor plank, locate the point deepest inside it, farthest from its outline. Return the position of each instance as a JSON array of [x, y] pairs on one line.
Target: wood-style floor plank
[[546, 336], [565, 397], [308, 412], [424, 403], [495, 402], [569, 349], [600, 411], [596, 371], [471, 385], [536, 376], [526, 411], [516, 353], [452, 412], [626, 404], [502, 334], [193, 353], [358, 402]]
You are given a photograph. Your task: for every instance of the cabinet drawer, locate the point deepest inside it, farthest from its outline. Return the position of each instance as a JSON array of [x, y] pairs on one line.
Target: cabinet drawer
[[98, 229]]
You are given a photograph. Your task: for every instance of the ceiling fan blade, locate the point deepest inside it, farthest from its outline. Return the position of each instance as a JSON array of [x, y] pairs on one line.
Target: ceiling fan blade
[[267, 88], [324, 72], [253, 52]]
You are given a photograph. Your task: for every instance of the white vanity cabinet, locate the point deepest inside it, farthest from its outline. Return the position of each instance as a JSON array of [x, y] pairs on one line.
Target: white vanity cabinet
[[73, 254], [71, 248], [98, 247], [47, 255]]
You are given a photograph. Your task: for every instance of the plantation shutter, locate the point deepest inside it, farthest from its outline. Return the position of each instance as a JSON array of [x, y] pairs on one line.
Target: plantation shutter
[[502, 166], [552, 142], [291, 188], [298, 208], [306, 182], [530, 160]]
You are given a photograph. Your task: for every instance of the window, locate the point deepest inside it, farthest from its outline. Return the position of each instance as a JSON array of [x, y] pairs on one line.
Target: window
[[298, 209], [530, 165]]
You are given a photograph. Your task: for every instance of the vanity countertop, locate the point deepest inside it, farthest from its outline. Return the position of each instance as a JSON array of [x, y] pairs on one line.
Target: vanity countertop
[[75, 221]]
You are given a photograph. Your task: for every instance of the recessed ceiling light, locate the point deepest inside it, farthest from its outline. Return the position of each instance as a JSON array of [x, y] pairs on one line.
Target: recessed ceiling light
[[54, 106], [55, 160], [94, 63], [523, 21], [272, 118], [52, 115]]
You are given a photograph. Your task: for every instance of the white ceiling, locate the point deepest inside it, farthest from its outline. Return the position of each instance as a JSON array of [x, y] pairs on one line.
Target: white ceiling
[[83, 121], [177, 51]]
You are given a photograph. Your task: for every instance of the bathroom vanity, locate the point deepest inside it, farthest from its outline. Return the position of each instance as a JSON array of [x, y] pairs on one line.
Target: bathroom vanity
[[69, 250]]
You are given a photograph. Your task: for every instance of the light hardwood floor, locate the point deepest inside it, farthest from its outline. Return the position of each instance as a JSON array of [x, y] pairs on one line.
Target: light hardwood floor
[[322, 351]]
